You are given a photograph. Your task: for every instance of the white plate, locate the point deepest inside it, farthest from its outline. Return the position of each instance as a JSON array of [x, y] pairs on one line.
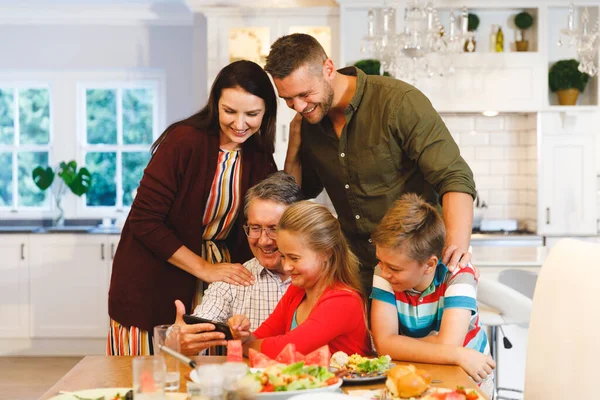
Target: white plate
[[108, 394], [365, 379], [282, 395]]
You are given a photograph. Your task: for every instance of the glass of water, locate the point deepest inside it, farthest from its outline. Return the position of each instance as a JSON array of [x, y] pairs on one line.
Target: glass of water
[[168, 336], [148, 378]]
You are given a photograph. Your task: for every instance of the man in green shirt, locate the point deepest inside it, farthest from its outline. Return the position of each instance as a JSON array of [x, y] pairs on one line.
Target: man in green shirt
[[367, 140]]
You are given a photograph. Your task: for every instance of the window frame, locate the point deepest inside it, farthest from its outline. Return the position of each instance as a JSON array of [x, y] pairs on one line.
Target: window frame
[[144, 80], [6, 82]]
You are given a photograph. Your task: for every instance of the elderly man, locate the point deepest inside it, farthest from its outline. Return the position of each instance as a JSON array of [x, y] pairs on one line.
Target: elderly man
[[265, 203]]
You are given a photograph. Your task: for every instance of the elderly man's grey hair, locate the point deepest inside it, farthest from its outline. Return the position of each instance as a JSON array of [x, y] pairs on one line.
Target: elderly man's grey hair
[[279, 187]]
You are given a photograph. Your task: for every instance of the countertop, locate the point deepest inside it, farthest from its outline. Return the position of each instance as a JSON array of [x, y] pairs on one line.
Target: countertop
[[509, 256]]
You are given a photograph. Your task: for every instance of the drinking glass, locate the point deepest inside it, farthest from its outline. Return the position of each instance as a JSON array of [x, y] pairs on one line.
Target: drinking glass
[[148, 377], [168, 336]]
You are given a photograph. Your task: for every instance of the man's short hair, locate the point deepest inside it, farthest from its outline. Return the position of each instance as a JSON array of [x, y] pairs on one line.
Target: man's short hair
[[279, 187], [290, 52]]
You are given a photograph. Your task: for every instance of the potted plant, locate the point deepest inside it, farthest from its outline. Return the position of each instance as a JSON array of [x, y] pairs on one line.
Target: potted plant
[[472, 25], [79, 181], [567, 81], [370, 67], [523, 21]]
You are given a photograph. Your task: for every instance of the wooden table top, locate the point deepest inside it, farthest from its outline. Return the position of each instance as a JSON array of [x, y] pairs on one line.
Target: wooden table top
[[110, 371]]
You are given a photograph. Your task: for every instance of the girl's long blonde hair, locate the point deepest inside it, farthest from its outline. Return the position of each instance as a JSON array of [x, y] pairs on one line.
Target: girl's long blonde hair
[[321, 232]]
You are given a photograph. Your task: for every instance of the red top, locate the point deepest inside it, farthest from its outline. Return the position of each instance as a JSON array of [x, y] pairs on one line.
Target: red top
[[166, 214], [338, 320]]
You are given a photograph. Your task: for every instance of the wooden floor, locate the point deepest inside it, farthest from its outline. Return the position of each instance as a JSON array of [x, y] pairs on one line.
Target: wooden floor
[[27, 378]]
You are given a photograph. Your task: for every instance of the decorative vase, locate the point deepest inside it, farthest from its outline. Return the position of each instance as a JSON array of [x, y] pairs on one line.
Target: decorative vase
[[59, 190], [522, 45], [470, 45], [567, 97]]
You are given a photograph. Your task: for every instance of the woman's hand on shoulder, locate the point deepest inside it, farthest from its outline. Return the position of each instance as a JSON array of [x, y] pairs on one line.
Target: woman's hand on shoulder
[[240, 326], [193, 338], [234, 274]]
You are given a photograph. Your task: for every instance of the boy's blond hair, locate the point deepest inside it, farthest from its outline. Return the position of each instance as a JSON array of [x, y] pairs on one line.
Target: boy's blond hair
[[413, 225]]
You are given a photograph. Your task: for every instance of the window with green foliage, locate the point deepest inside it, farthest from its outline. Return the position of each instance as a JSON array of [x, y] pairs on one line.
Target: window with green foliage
[[24, 143], [120, 126]]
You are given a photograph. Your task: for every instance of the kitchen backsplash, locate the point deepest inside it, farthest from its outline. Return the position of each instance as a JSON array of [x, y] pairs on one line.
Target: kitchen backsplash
[[502, 152]]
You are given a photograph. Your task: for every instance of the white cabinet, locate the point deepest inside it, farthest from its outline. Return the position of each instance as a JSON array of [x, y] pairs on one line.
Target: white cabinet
[[567, 191], [14, 286], [69, 285], [247, 33]]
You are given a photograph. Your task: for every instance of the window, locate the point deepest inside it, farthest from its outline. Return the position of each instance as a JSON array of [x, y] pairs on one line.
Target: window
[[119, 125], [24, 144]]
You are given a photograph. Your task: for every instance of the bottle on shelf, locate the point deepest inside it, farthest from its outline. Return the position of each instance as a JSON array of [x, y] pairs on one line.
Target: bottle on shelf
[[499, 40], [492, 43]]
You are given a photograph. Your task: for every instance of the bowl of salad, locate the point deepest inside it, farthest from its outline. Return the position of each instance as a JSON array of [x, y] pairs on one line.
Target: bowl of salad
[[279, 381]]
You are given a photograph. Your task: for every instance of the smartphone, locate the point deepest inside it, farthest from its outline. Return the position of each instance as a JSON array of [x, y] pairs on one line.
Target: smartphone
[[219, 326]]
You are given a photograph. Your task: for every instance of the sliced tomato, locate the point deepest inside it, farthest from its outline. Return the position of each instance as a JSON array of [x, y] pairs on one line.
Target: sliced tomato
[[287, 355], [235, 351], [472, 396], [331, 381], [319, 357], [268, 388], [259, 360]]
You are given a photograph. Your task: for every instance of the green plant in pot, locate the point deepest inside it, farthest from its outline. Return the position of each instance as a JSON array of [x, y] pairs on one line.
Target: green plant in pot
[[370, 67], [78, 181], [523, 21], [472, 25], [567, 81]]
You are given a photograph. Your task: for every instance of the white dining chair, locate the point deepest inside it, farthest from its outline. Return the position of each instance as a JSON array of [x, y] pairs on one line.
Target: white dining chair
[[563, 349], [499, 304]]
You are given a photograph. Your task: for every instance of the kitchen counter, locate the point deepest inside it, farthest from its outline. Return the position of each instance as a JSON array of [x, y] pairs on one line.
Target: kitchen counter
[[509, 256]]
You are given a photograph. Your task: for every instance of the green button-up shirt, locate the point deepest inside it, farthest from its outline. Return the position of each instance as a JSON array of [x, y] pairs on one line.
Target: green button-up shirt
[[394, 142]]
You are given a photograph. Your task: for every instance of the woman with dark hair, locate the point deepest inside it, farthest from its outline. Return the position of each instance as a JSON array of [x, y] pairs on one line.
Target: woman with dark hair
[[185, 225]]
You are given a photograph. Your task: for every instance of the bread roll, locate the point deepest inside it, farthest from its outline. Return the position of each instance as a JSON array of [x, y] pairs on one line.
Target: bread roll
[[406, 381]]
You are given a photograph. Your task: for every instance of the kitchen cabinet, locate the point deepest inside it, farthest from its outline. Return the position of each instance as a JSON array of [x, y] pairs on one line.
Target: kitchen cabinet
[[567, 185], [69, 279], [14, 286], [239, 32]]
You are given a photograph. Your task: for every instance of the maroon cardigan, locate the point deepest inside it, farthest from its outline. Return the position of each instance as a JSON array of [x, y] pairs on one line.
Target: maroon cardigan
[[167, 214]]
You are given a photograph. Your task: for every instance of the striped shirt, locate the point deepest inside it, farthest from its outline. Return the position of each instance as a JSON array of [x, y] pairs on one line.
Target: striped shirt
[[420, 314], [222, 300], [224, 200]]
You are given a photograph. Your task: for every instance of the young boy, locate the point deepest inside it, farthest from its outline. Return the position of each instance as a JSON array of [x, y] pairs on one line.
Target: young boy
[[421, 312]]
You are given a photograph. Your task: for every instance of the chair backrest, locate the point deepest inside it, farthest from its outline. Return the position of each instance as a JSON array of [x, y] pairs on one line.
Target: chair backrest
[[563, 349], [512, 306]]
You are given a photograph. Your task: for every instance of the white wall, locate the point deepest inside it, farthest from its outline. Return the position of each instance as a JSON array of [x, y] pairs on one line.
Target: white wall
[[502, 152], [54, 47]]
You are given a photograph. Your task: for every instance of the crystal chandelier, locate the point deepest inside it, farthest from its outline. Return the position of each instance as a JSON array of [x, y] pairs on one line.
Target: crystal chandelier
[[424, 48], [584, 39]]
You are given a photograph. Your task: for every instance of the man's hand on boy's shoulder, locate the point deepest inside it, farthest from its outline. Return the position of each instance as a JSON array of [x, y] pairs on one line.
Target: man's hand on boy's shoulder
[[454, 258]]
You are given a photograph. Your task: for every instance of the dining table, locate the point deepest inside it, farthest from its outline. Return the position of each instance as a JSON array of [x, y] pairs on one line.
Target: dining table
[[94, 372]]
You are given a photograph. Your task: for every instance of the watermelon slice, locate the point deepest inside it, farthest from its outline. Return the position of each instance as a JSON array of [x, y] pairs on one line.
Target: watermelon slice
[[287, 355], [259, 360], [299, 356], [319, 357], [235, 351]]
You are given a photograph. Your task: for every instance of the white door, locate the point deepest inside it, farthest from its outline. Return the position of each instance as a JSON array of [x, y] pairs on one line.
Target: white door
[[69, 285], [567, 195], [14, 286]]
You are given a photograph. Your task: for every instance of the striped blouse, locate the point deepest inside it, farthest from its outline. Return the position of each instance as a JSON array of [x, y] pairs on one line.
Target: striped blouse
[[224, 200]]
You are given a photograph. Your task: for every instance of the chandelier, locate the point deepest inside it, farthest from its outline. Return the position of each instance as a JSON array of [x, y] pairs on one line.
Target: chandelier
[[424, 48], [584, 39]]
